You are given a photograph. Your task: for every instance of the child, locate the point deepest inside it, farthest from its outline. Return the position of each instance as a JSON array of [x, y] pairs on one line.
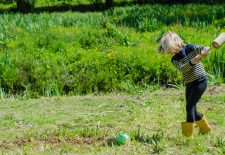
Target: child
[[187, 60]]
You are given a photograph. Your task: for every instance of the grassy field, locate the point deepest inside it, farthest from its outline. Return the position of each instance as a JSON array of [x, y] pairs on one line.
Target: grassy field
[[47, 58], [89, 124]]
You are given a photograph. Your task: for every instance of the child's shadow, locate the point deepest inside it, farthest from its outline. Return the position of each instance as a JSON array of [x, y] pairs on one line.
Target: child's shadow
[[111, 142], [154, 139]]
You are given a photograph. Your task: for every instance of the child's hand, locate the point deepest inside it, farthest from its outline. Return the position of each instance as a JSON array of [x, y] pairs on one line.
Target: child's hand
[[205, 52]]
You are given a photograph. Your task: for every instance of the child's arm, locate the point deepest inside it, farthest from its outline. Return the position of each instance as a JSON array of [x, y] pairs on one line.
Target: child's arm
[[201, 51], [197, 58], [204, 52]]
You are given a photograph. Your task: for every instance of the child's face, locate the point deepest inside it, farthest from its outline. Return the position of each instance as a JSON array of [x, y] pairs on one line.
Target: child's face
[[171, 51]]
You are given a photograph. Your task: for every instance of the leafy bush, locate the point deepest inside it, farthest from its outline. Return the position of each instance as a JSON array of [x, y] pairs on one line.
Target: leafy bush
[[77, 53]]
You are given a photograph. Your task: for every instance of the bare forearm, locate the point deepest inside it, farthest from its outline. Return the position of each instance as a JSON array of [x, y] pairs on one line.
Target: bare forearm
[[199, 57], [196, 59]]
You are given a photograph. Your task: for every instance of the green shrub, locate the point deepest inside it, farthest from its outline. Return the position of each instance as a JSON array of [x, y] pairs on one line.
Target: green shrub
[[80, 53]]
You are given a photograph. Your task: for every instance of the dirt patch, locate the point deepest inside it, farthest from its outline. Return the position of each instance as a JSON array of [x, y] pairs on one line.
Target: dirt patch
[[52, 140], [211, 90], [216, 90]]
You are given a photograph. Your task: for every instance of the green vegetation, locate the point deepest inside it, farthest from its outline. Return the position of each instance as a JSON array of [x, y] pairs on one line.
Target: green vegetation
[[105, 54], [80, 53], [90, 124]]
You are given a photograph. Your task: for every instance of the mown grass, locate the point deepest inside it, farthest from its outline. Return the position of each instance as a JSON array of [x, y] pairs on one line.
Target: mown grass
[[89, 124]]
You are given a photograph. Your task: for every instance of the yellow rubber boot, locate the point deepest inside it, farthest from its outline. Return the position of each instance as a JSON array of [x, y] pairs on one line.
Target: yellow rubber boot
[[187, 128], [204, 126]]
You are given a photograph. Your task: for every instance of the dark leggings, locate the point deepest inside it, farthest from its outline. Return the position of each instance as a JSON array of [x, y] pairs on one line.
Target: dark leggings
[[193, 93]]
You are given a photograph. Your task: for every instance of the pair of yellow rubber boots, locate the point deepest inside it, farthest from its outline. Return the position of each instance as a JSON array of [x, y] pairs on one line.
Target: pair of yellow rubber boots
[[188, 127]]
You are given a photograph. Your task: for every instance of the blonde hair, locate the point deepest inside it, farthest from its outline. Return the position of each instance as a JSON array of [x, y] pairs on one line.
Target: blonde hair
[[170, 41]]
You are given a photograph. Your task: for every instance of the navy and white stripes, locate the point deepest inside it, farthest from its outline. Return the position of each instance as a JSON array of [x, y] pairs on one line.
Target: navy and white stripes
[[182, 61]]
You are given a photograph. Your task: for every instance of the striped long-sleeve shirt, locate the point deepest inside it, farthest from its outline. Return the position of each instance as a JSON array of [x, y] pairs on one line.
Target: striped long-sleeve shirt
[[191, 72]]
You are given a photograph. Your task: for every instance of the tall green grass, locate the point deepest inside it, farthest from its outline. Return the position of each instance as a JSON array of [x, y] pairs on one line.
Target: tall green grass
[[155, 17], [216, 66], [116, 50]]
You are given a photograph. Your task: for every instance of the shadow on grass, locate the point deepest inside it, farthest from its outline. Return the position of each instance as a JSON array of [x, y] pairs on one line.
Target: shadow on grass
[[154, 139], [111, 142], [94, 7]]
